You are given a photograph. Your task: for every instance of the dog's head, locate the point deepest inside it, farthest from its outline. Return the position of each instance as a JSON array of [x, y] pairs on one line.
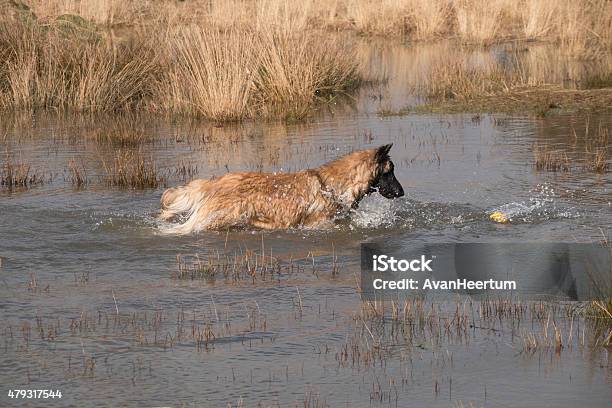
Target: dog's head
[[385, 182]]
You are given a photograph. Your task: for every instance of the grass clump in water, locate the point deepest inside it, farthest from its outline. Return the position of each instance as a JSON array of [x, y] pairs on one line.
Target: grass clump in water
[[599, 311], [130, 169], [550, 159], [14, 175], [77, 174], [598, 149], [594, 156], [457, 85]]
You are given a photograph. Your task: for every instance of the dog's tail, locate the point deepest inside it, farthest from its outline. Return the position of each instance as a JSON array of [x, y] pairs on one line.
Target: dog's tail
[[184, 200]]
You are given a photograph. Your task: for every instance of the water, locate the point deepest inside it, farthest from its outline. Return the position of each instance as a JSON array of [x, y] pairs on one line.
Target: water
[[90, 306]]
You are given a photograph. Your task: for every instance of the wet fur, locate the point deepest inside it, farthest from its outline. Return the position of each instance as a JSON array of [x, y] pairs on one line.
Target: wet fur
[[309, 198]]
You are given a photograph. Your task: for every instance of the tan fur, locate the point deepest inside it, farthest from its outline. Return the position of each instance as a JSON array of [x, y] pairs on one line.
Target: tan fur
[[309, 198]]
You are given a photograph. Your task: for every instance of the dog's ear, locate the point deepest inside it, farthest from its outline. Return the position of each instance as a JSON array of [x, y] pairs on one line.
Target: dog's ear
[[382, 153]]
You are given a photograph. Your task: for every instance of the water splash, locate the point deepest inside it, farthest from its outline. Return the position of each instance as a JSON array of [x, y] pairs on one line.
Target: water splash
[[542, 205], [378, 212], [373, 212]]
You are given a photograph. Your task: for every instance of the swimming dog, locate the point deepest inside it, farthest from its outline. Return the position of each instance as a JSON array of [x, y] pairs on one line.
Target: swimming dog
[[309, 198]]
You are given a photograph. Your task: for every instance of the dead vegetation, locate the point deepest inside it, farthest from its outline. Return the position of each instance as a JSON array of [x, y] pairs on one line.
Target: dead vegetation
[[233, 60], [233, 74], [242, 265], [593, 154], [77, 174], [132, 169], [44, 67], [598, 148], [18, 175], [599, 311], [549, 159], [581, 28], [167, 67]]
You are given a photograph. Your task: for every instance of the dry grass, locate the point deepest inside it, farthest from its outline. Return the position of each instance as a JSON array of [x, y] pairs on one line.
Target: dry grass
[[240, 59], [459, 79], [101, 11], [235, 74], [77, 174], [601, 312], [16, 175], [479, 21], [583, 29], [537, 18], [573, 24], [212, 74], [43, 67], [549, 159], [430, 19], [240, 266], [130, 169], [598, 150], [223, 75], [294, 72], [456, 82], [594, 156]]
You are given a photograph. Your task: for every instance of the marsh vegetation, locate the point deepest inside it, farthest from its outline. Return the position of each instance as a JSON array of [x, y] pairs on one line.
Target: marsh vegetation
[[591, 155], [229, 61], [16, 174]]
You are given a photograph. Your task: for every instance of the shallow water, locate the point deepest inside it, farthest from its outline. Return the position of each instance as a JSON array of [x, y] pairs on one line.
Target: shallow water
[[90, 307]]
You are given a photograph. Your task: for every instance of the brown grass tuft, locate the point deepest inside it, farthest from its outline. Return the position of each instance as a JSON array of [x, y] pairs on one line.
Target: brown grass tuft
[[537, 18], [457, 79], [15, 175], [479, 21], [210, 74], [130, 169], [595, 156], [598, 151], [234, 74], [583, 29], [219, 74], [549, 159], [77, 174], [43, 67]]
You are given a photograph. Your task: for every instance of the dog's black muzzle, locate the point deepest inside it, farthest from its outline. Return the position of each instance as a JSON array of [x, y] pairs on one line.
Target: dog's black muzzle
[[389, 187]]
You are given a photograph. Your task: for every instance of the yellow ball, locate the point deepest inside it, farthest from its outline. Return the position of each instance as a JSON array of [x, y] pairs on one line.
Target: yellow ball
[[499, 216]]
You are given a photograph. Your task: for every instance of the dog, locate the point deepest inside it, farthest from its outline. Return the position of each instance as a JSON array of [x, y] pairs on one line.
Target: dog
[[309, 198]]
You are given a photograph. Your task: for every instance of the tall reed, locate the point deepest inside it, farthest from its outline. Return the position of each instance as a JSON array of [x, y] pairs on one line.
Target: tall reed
[[218, 74], [234, 74], [45, 67], [580, 27]]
